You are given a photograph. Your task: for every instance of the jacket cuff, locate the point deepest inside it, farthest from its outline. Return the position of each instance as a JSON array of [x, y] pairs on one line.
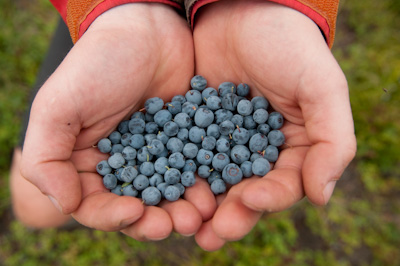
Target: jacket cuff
[[79, 14], [323, 13]]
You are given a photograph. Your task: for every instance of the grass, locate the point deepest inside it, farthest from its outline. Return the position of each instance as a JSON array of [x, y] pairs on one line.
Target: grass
[[360, 225]]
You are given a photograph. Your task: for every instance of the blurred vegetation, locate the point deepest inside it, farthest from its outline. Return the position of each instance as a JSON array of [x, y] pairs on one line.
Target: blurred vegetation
[[360, 225]]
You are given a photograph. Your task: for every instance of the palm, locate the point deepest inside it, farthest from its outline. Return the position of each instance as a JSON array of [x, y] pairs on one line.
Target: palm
[[257, 43], [107, 76]]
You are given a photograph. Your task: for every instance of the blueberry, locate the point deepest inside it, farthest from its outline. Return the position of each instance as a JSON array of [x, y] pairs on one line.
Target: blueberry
[[161, 165], [214, 103], [172, 176], [204, 156], [130, 162], [104, 145], [110, 181], [129, 190], [164, 153], [218, 186], [143, 155], [175, 145], [148, 117], [190, 150], [151, 127], [255, 155], [213, 176], [276, 137], [147, 169], [260, 116], [226, 127], [219, 161], [222, 145], [275, 120], [183, 134], [258, 143], [232, 174], [116, 148], [116, 160], [117, 190], [171, 128], [153, 105], [249, 122], [204, 171], [190, 108], [183, 120], [246, 168], [151, 196], [172, 193], [162, 186], [190, 165], [263, 129], [125, 139], [141, 182], [162, 137], [149, 137], [128, 174], [196, 134], [198, 82], [203, 117], [129, 153], [237, 120], [180, 187], [176, 160], [174, 107], [162, 117], [240, 154], [213, 131], [194, 96], [179, 98], [225, 88], [123, 127], [136, 141], [260, 167], [241, 136], [243, 89], [115, 137], [259, 102], [207, 92], [136, 125], [271, 153], [138, 114], [229, 101], [156, 179], [209, 143], [222, 115], [188, 179]]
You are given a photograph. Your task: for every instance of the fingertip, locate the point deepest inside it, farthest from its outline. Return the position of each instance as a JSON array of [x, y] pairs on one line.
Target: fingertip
[[207, 239], [201, 196]]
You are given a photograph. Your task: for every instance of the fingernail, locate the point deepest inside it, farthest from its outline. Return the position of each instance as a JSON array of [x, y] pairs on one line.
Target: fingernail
[[55, 203], [328, 190]]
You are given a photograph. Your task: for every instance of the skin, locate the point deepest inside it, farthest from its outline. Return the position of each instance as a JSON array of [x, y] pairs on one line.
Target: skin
[[129, 54], [281, 54], [148, 47]]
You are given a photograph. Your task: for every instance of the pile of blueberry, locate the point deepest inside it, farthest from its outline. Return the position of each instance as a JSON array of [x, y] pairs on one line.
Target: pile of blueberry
[[220, 134]]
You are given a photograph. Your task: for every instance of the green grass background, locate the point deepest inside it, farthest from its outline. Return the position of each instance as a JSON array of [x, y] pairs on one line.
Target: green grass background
[[360, 225]]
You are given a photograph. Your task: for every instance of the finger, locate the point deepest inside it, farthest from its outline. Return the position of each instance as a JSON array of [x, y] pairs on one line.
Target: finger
[[207, 239], [87, 159], [103, 210], [233, 220], [186, 219], [155, 224], [201, 196], [324, 100], [280, 188]]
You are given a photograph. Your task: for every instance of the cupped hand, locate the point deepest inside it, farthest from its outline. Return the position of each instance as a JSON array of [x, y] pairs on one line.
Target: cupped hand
[[129, 54], [283, 56]]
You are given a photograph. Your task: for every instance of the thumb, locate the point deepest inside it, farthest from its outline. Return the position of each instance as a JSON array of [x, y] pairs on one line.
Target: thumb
[[324, 101], [49, 142]]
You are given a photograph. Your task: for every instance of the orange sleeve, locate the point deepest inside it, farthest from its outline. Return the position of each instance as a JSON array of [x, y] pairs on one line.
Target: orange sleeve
[[79, 14], [322, 12]]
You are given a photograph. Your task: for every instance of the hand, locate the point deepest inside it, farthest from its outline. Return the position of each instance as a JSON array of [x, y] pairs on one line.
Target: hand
[[282, 55], [129, 54]]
